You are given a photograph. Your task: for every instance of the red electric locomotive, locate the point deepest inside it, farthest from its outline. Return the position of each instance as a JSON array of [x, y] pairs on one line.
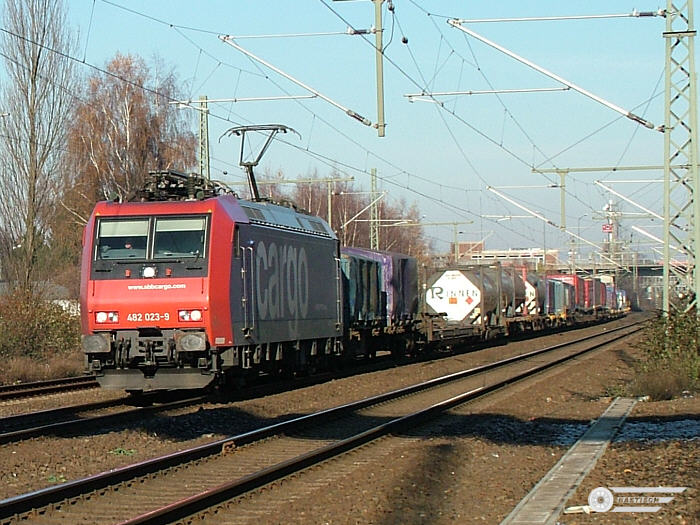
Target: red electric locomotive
[[187, 283]]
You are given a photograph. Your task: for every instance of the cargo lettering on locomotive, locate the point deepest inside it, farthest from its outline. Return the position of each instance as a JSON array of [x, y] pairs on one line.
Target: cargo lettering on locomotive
[[282, 281]]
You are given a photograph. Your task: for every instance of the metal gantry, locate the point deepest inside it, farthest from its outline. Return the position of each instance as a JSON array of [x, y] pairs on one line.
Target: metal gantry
[[681, 203], [204, 170], [374, 213]]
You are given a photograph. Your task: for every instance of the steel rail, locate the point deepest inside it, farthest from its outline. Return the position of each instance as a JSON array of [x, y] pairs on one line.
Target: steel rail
[[63, 426], [46, 387], [262, 389], [48, 413], [25, 503]]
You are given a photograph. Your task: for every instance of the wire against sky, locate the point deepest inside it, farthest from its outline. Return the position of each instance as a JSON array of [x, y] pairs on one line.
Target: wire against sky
[[457, 24], [464, 147], [633, 14], [357, 31]]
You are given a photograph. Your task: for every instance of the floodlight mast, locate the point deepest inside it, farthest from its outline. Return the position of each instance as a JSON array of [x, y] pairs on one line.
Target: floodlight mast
[[241, 131]]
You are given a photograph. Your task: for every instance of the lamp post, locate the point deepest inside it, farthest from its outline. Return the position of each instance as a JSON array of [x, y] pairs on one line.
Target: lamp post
[[578, 232]]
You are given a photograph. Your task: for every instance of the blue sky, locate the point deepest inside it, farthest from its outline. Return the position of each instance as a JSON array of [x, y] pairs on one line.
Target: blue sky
[[442, 157]]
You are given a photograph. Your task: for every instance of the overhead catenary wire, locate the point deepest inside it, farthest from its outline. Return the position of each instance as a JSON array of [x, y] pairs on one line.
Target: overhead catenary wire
[[153, 91], [633, 14], [177, 27], [230, 40], [490, 139], [535, 147], [575, 87], [415, 177]]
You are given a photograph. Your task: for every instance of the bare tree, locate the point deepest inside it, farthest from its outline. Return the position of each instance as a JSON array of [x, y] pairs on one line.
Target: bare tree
[[123, 127], [36, 99], [351, 222]]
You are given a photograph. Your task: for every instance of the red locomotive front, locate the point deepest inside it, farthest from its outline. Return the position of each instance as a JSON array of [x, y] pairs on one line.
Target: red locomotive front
[[187, 284], [148, 291]]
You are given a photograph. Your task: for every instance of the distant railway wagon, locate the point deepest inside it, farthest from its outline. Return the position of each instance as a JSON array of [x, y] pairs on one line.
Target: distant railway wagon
[[365, 298], [380, 302], [578, 297], [534, 293], [622, 301], [397, 280], [560, 298], [477, 295], [610, 297], [594, 294]]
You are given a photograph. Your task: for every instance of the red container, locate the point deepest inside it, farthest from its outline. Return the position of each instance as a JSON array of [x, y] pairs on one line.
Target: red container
[[594, 293]]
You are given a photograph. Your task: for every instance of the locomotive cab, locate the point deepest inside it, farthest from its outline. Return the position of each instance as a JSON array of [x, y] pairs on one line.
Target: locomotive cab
[[146, 309]]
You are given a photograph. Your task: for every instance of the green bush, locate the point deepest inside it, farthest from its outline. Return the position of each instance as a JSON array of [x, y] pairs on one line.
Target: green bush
[[33, 327], [671, 363]]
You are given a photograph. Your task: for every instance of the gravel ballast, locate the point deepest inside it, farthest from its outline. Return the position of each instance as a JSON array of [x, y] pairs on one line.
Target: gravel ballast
[[473, 465]]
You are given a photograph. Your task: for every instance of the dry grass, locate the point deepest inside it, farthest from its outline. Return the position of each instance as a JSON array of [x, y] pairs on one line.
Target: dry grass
[[26, 369], [670, 364], [663, 381], [39, 340]]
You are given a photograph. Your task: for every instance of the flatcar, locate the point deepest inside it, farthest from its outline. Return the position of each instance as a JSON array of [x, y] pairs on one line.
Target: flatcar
[[476, 294], [380, 301]]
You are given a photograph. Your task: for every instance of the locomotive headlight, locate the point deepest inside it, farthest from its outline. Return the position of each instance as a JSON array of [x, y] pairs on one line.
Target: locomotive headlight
[[148, 272], [190, 315], [106, 317]]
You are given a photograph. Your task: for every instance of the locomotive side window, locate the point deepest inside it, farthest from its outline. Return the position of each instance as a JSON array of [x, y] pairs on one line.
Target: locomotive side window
[[122, 239], [179, 237]]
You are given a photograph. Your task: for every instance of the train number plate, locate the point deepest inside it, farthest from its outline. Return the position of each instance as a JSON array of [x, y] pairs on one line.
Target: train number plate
[[148, 316]]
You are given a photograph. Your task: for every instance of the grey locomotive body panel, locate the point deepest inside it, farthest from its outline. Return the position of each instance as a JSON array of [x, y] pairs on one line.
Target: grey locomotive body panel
[[284, 286]]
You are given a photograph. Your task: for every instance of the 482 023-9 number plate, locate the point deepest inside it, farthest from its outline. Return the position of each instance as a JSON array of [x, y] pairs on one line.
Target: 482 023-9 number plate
[[148, 316]]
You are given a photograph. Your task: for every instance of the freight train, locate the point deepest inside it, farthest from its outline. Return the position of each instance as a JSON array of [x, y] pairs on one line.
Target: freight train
[[186, 286]]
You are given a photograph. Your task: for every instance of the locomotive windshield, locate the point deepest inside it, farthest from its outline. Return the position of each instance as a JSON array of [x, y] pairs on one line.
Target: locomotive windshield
[[122, 239], [179, 237], [151, 238]]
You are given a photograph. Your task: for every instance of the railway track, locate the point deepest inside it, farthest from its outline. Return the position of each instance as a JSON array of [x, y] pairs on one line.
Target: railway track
[[22, 390], [204, 478], [67, 419], [47, 387], [63, 420]]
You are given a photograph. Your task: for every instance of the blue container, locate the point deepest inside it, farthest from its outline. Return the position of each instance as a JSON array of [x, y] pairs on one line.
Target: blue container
[[397, 279], [560, 297], [362, 286]]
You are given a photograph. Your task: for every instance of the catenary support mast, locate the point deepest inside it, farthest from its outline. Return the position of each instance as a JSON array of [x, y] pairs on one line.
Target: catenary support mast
[[681, 202]]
